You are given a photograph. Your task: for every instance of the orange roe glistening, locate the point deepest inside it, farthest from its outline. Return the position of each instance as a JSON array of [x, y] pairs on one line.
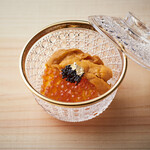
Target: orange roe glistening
[[59, 89]]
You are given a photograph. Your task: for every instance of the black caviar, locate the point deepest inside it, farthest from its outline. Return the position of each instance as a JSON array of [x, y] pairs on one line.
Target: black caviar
[[71, 75]]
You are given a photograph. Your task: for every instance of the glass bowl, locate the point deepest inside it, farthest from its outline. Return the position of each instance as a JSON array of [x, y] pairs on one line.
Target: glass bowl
[[66, 35]]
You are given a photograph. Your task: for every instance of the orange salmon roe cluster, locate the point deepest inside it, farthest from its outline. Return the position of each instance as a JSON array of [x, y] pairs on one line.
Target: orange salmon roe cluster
[[56, 88]]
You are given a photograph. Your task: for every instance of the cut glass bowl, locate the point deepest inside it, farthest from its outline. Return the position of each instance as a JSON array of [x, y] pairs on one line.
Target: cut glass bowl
[[66, 35]]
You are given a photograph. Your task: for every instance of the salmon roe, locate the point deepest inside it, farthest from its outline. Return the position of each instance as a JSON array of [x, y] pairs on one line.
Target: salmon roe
[[59, 89]]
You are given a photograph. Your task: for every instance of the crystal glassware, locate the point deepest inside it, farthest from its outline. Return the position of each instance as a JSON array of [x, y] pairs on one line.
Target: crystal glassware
[[66, 35], [130, 35]]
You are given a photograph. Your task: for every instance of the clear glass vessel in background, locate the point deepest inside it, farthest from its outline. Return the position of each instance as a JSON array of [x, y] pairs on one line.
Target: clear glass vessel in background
[[66, 35]]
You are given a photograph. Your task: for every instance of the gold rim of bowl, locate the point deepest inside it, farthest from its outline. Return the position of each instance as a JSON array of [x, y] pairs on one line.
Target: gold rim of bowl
[[53, 27]]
